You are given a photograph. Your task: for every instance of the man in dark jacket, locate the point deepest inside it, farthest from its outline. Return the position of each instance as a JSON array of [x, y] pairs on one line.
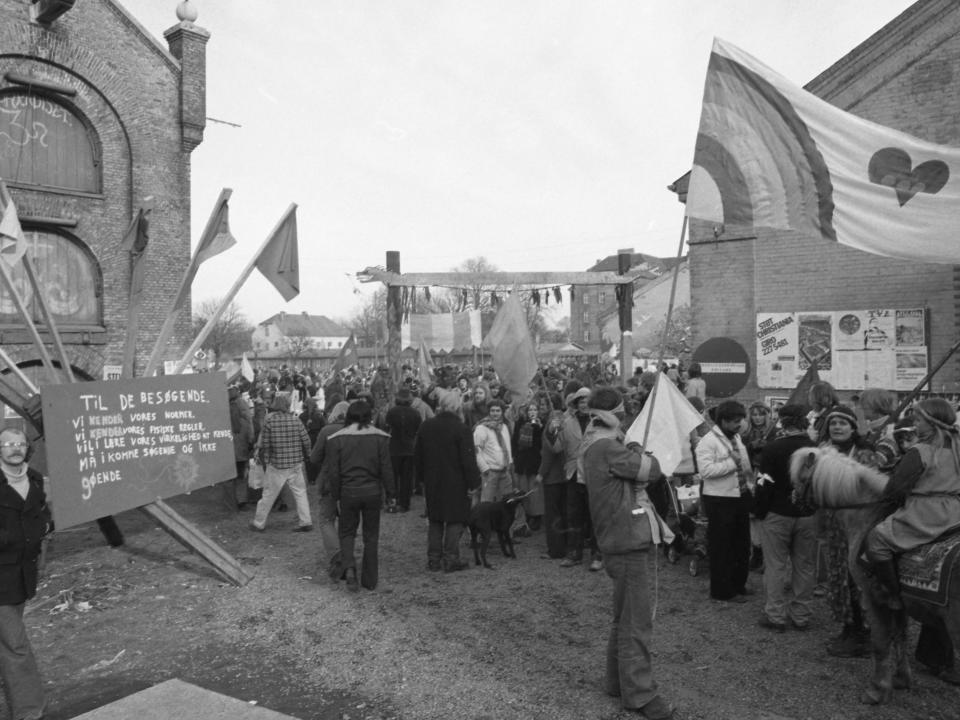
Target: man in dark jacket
[[402, 422], [445, 462], [626, 527], [358, 469], [327, 506], [24, 521]]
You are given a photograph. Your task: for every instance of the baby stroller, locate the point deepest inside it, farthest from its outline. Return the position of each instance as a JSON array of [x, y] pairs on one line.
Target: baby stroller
[[689, 526]]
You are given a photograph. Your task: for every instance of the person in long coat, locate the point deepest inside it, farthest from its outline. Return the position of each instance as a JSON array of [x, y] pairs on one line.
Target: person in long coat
[[445, 462]]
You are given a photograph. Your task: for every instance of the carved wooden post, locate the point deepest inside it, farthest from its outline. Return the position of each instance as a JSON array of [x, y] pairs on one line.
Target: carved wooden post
[[625, 303], [394, 318]]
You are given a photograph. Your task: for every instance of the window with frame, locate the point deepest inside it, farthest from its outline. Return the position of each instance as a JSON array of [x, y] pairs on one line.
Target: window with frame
[[44, 142], [586, 298], [586, 334], [602, 298], [586, 318], [69, 277]]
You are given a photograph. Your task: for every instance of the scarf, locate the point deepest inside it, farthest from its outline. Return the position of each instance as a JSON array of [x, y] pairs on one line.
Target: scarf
[[496, 426]]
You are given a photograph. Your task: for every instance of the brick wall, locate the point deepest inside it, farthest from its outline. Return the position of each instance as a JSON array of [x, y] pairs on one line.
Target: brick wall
[[906, 76], [129, 90]]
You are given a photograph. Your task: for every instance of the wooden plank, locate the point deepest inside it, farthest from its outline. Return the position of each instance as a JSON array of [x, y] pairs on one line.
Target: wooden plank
[[503, 279], [190, 537]]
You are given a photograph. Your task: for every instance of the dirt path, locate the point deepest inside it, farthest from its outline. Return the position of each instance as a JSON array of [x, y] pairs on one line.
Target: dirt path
[[525, 640]]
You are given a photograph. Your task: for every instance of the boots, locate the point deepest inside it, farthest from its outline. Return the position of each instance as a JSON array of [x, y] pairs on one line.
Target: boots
[[352, 584], [852, 643], [886, 572], [756, 559]]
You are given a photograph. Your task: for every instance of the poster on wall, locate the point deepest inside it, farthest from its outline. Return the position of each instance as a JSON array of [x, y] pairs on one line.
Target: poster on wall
[[815, 336], [776, 349], [853, 349]]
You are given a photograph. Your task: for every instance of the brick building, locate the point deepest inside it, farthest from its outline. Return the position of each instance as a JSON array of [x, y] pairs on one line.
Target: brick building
[[905, 76], [96, 115]]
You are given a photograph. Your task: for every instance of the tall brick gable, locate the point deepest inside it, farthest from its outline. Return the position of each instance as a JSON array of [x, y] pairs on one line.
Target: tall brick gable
[[146, 108]]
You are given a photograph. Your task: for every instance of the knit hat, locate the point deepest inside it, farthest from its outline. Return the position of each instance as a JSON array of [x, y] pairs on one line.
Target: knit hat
[[904, 426], [840, 411], [605, 398]]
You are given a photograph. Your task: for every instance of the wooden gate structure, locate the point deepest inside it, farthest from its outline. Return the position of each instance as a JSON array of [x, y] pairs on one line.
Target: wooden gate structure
[[395, 280]]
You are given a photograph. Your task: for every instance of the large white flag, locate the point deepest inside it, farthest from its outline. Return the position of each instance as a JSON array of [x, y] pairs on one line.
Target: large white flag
[[770, 154], [673, 420]]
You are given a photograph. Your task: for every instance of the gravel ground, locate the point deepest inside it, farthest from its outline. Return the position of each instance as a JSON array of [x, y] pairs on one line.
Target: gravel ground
[[524, 640]]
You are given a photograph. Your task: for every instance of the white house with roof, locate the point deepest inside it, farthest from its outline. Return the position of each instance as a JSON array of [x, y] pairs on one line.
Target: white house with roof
[[284, 331]]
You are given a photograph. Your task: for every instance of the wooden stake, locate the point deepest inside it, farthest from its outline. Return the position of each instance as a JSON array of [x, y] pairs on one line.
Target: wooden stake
[[190, 537], [663, 338], [22, 309], [48, 317], [191, 272]]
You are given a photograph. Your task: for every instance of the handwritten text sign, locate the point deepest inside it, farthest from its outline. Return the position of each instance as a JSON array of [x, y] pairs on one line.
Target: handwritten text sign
[[113, 446]]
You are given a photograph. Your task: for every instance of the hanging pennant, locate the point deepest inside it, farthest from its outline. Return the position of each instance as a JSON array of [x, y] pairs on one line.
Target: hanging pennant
[[535, 296], [572, 294], [557, 295], [426, 293]]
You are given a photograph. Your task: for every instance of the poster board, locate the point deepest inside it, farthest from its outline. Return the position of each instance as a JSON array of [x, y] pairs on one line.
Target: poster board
[[853, 349], [113, 446]]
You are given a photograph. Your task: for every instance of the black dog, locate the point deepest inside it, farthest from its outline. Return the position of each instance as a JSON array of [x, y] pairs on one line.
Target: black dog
[[493, 517]]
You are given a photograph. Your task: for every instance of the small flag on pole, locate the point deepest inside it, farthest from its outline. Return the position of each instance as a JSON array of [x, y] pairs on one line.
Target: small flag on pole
[[217, 237], [514, 357], [13, 243], [426, 365], [673, 420], [280, 261], [347, 356], [246, 369]]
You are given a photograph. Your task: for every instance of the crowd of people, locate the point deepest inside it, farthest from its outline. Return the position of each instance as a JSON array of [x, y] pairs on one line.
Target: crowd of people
[[368, 446]]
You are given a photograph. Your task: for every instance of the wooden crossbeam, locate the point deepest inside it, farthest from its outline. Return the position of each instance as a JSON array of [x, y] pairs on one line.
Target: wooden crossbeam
[[501, 279], [190, 537]]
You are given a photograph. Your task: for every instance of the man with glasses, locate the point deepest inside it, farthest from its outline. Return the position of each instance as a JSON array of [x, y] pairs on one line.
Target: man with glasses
[[24, 521]]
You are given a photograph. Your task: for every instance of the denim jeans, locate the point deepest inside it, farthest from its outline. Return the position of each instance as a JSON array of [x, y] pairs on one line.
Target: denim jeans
[[18, 667], [352, 511], [629, 667], [789, 556]]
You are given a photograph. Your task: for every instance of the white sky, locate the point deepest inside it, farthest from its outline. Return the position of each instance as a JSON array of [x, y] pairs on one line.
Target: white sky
[[540, 134]]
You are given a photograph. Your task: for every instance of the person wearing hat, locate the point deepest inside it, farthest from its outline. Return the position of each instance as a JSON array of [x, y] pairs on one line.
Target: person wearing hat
[[626, 527], [402, 422], [578, 505], [788, 533], [839, 423]]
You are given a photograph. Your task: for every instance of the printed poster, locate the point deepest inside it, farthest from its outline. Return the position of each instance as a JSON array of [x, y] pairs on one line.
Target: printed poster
[[909, 329], [776, 349], [815, 337]]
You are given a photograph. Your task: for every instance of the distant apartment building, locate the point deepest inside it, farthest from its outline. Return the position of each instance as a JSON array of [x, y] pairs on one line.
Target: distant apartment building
[[591, 304]]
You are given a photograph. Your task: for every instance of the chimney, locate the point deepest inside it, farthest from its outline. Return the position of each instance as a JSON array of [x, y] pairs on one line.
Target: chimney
[[188, 44]]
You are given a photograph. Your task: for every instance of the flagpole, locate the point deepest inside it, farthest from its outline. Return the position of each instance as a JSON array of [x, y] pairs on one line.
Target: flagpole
[[17, 371], [208, 328], [168, 324], [666, 329], [22, 309], [12, 392], [48, 317]]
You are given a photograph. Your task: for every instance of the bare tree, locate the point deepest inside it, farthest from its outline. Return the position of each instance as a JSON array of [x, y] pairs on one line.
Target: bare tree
[[298, 343], [679, 335], [230, 334], [369, 323]]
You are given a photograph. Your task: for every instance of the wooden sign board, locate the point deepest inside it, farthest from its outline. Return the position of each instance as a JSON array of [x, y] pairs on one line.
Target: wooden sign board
[[113, 446]]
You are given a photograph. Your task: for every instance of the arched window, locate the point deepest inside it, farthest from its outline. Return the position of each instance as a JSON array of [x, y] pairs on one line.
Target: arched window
[[68, 275], [45, 143]]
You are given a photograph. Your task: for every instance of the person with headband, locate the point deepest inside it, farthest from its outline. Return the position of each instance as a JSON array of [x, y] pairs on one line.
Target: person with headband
[[927, 482]]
